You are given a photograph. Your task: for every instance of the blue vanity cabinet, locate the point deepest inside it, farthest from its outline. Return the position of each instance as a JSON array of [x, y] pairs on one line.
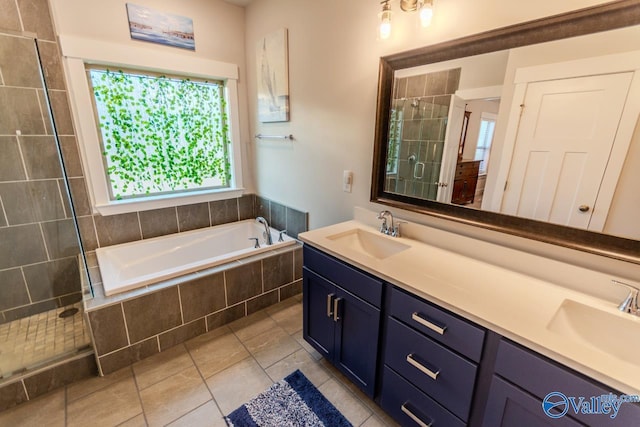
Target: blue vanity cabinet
[[341, 316], [431, 360], [524, 378]]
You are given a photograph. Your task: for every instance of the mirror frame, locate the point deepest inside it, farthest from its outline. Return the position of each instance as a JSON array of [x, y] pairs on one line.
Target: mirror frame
[[609, 16]]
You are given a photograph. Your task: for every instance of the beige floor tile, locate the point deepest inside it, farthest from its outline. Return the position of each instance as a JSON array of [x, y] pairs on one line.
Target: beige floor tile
[[253, 325], [174, 396], [216, 354], [271, 346], [353, 410], [207, 415], [109, 406], [47, 410], [90, 385], [287, 316], [162, 365], [312, 351], [237, 384], [137, 421], [299, 360], [374, 421]]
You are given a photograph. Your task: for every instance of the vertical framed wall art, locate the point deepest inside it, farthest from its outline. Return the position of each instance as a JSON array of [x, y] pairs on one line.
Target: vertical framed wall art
[[272, 60]]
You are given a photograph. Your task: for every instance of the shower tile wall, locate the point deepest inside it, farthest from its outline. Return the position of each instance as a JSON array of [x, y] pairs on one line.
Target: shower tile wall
[[421, 105], [38, 248]]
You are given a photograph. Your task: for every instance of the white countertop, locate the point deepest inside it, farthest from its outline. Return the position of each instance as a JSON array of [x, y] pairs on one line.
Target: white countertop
[[517, 306]]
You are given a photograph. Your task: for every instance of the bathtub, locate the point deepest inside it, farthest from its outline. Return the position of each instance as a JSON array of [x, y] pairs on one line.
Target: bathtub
[[133, 265]]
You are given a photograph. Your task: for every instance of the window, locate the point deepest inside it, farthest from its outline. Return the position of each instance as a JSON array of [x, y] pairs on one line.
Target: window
[[160, 134], [163, 132], [485, 137]]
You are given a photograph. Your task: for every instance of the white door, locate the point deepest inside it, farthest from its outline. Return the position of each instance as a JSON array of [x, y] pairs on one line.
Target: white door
[[450, 151], [566, 132]]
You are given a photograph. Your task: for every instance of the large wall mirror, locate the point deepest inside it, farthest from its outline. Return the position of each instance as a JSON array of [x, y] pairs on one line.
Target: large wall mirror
[[530, 130]]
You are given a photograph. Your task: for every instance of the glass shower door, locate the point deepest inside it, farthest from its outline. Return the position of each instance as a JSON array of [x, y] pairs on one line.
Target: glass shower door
[[42, 268]]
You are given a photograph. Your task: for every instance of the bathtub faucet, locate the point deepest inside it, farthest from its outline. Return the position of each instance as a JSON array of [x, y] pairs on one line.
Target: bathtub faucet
[[267, 231]]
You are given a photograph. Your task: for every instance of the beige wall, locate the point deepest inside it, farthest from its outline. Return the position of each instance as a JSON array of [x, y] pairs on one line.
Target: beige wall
[[219, 35], [333, 71]]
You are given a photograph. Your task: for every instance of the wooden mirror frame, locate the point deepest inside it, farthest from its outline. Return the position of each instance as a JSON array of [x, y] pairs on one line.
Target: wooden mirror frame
[[609, 16]]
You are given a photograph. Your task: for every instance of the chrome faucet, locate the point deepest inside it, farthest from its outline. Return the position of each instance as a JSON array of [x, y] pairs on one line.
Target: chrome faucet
[[384, 227], [267, 231], [630, 303]]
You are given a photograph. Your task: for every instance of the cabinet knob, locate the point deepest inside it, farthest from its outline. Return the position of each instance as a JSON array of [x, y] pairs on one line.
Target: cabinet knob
[[584, 208]]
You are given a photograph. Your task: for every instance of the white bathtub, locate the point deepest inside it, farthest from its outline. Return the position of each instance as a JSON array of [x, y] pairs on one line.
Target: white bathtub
[[133, 265]]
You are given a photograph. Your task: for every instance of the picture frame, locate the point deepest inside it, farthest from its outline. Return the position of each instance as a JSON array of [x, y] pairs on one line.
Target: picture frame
[[272, 63], [152, 26]]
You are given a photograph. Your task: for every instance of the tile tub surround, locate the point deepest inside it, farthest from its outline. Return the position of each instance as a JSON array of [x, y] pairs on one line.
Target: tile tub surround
[[134, 325]]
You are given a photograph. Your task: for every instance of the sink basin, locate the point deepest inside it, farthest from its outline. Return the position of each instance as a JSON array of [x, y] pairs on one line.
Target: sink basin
[[371, 244], [615, 333]]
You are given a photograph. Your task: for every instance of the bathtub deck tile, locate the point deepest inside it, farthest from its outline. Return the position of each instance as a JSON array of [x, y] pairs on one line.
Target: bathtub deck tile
[[152, 314], [202, 296], [182, 333], [244, 282], [226, 316]]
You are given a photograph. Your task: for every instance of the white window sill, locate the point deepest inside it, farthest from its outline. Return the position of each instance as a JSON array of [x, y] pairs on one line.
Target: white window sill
[[165, 201]]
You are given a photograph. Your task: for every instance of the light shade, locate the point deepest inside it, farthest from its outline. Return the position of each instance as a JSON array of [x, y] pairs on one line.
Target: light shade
[[426, 14], [384, 30]]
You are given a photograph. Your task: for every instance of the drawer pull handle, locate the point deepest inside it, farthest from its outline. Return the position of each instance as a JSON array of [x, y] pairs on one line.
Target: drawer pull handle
[[414, 417], [412, 361], [329, 298], [429, 324], [336, 307]]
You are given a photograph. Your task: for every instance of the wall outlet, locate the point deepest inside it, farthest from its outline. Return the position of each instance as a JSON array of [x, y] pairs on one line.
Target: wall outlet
[[347, 181]]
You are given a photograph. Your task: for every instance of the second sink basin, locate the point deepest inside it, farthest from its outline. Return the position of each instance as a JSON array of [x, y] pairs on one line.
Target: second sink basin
[[614, 333], [371, 244]]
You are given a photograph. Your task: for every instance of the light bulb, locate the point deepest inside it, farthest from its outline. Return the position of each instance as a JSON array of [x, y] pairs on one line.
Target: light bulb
[[426, 13], [384, 30]]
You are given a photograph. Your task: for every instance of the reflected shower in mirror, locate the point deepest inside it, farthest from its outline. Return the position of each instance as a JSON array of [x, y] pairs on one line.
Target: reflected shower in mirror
[[543, 131]]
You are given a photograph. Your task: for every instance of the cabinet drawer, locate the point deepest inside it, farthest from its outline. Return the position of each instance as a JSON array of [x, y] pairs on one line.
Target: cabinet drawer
[[442, 374], [397, 394], [366, 287], [455, 333], [540, 377]]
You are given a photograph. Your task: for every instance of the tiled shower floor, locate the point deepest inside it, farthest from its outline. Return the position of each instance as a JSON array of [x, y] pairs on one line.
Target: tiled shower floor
[[29, 341]]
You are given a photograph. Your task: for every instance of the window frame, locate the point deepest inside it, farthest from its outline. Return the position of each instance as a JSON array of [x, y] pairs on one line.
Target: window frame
[[486, 149], [79, 52]]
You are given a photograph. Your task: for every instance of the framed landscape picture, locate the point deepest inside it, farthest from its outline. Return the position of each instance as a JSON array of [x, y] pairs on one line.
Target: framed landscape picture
[[157, 27]]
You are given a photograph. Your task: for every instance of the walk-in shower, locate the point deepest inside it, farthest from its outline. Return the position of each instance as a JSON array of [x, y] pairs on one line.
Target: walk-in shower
[[41, 259]]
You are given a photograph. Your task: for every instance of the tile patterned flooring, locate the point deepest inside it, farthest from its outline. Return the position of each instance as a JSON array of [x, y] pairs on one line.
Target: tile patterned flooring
[[32, 340], [194, 383]]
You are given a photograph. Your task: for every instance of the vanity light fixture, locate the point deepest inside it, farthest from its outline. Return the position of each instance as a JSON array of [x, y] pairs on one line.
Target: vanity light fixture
[[424, 7]]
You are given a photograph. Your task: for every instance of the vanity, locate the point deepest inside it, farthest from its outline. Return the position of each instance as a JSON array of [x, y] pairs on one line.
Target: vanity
[[438, 338]]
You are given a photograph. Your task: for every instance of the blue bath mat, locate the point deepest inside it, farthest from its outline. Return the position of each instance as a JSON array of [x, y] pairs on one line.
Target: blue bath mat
[[293, 402]]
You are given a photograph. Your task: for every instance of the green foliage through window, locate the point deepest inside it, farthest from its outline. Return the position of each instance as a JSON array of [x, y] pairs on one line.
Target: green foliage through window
[[161, 134]]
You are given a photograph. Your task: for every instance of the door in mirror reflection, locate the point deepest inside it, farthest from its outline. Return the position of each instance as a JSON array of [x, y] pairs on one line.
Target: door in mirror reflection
[[565, 136]]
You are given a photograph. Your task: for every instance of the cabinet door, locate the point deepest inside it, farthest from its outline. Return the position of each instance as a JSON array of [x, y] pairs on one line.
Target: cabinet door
[[318, 325], [508, 406], [357, 340]]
